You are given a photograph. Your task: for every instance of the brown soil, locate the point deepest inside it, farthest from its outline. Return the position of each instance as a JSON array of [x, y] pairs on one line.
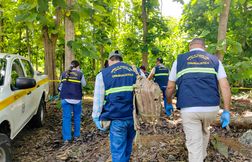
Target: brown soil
[[166, 144]]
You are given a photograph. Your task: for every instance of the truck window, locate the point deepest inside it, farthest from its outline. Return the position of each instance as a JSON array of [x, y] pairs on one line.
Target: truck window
[[28, 68], [2, 70], [16, 71]]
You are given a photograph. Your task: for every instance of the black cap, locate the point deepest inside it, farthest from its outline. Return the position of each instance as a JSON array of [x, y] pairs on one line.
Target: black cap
[[160, 59]]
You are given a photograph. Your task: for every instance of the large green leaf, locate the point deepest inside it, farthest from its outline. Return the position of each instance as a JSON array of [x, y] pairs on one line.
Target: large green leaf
[[219, 146], [59, 3], [27, 17], [74, 16], [42, 19], [26, 6], [89, 51], [99, 8], [21, 17], [42, 6], [74, 44], [79, 48], [86, 11], [234, 46], [204, 33]]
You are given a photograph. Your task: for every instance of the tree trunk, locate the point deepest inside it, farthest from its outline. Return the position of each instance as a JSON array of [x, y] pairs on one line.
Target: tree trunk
[[222, 30], [28, 44], [50, 42], [50, 66], [1, 32], [239, 121], [145, 33], [62, 62], [222, 143], [245, 26], [69, 35]]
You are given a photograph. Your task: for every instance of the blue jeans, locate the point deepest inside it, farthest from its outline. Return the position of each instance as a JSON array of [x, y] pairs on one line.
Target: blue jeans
[[67, 117], [122, 134]]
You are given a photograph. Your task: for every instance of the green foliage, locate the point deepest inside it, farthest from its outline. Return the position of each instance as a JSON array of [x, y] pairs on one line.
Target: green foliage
[[240, 71], [200, 19], [80, 48], [59, 3], [42, 6], [75, 17], [104, 25]]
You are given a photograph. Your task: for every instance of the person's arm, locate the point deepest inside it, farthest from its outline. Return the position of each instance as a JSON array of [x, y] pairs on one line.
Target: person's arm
[[170, 90], [83, 81], [151, 75], [99, 94], [224, 86], [226, 95], [171, 86], [225, 92]]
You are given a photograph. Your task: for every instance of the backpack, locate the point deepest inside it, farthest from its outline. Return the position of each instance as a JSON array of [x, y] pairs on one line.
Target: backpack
[[147, 100]]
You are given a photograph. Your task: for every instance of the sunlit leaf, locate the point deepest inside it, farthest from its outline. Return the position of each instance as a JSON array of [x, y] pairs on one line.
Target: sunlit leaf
[[68, 13], [193, 2], [26, 6], [204, 33]]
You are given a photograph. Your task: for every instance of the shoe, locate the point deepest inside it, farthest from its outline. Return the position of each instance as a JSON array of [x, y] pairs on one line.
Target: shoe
[[66, 143], [76, 139]]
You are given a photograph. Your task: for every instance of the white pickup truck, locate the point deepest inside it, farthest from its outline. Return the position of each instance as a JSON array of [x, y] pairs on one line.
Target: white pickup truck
[[23, 95]]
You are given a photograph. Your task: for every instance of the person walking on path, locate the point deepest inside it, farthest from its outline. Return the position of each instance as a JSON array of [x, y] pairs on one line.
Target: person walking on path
[[160, 73], [198, 76], [72, 82], [113, 101]]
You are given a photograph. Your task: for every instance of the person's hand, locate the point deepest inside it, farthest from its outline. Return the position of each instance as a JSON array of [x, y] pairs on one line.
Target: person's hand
[[225, 118], [168, 109], [98, 124]]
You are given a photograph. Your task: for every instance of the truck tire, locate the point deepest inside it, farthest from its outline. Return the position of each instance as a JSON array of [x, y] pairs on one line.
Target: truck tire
[[38, 120], [5, 148]]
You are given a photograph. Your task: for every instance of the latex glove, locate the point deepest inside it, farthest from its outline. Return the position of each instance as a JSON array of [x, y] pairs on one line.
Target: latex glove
[[98, 124], [168, 109], [225, 118]]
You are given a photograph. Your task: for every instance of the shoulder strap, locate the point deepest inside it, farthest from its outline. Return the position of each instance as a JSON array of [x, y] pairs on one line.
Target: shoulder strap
[[135, 69]]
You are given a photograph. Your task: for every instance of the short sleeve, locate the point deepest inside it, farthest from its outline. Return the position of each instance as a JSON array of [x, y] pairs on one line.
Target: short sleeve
[[173, 72], [153, 71], [221, 72], [142, 74]]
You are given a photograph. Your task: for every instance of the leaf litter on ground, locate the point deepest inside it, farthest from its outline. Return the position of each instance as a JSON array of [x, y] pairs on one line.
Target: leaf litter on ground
[[166, 143]]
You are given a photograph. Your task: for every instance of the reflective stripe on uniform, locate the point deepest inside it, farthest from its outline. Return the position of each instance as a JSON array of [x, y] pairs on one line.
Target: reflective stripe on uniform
[[119, 89], [71, 80], [162, 74], [196, 70]]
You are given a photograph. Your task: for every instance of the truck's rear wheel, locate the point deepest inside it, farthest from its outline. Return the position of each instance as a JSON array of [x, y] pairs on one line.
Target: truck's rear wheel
[[38, 119], [5, 148]]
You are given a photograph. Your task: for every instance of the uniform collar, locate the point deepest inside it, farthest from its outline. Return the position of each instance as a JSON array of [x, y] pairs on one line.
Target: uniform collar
[[161, 65], [197, 49]]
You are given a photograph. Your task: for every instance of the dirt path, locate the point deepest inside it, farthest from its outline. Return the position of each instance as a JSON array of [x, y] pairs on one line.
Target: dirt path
[[167, 144]]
